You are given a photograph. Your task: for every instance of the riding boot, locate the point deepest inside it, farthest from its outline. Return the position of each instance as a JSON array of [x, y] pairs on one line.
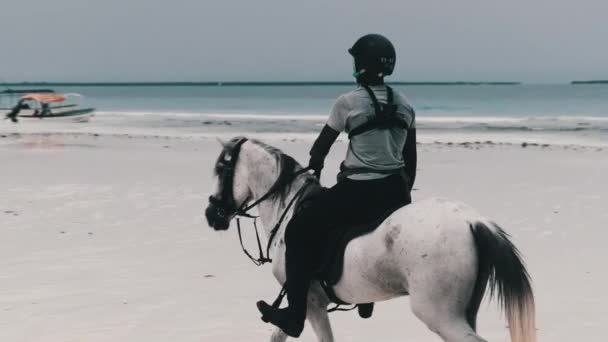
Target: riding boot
[[299, 274], [290, 319], [13, 117], [282, 318]]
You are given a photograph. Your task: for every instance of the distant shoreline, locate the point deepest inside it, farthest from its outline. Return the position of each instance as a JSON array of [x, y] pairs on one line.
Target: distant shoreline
[[242, 84], [590, 82]]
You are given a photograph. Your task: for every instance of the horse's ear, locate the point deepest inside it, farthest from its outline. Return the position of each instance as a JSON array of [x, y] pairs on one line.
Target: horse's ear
[[222, 142]]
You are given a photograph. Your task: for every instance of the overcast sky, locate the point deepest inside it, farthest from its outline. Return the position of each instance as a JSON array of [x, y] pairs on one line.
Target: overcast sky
[[208, 40]]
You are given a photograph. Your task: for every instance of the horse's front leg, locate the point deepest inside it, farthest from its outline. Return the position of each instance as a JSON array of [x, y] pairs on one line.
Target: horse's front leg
[[278, 336], [316, 313]]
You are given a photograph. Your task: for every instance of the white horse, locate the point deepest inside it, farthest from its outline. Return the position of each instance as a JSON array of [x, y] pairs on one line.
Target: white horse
[[442, 254]]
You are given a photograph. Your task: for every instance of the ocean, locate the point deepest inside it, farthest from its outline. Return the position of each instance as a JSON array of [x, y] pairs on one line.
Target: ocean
[[568, 114]]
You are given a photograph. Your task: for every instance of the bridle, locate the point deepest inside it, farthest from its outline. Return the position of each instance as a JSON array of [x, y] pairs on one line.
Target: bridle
[[226, 205], [229, 207]]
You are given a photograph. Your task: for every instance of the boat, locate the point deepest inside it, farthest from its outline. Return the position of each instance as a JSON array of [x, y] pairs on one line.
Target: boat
[[46, 104]]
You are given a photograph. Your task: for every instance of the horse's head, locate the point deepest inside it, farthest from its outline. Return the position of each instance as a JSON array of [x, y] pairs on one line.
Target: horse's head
[[260, 172], [232, 191]]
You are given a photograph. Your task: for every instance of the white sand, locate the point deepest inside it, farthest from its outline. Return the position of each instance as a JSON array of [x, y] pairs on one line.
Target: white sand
[[103, 239]]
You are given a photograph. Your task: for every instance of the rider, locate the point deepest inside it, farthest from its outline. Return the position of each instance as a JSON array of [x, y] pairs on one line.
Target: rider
[[46, 109], [15, 111], [376, 176]]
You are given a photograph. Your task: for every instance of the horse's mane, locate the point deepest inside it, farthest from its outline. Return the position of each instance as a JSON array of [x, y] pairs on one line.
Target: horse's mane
[[288, 166]]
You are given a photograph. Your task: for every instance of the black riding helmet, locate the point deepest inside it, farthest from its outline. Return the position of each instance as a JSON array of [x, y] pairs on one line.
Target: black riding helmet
[[373, 53]]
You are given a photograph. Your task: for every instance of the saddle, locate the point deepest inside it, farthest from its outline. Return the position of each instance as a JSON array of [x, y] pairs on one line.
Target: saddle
[[332, 265]]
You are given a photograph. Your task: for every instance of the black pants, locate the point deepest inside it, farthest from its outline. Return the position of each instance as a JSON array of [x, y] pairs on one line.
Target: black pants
[[347, 203]]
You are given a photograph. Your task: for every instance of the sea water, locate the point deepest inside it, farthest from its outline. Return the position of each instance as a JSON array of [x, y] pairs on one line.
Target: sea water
[[566, 113]]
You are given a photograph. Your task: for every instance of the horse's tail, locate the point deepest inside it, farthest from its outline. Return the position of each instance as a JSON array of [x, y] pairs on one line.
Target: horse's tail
[[500, 264]]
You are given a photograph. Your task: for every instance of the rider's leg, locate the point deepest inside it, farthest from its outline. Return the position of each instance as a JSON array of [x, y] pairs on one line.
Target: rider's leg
[[375, 198], [348, 202], [303, 239]]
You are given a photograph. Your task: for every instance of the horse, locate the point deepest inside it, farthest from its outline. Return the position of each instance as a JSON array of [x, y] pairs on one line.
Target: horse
[[443, 254]]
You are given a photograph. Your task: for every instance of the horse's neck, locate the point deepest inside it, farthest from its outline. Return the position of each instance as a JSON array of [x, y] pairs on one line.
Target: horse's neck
[[272, 209], [263, 172]]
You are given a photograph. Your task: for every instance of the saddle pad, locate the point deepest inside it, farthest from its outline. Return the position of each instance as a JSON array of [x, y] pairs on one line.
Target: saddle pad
[[332, 266]]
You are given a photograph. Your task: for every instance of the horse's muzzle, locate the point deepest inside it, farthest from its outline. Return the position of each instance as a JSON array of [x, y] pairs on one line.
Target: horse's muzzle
[[217, 218]]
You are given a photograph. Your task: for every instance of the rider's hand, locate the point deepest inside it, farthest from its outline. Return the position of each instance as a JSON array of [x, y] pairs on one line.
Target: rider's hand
[[316, 164]]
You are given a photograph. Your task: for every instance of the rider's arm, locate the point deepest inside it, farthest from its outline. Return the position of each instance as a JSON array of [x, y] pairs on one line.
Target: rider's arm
[[335, 124], [410, 156], [321, 147]]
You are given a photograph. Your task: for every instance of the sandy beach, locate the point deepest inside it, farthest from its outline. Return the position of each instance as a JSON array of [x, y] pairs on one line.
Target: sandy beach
[[113, 113], [102, 238]]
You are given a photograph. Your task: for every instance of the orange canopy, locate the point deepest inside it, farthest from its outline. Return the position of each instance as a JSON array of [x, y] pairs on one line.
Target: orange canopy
[[44, 98]]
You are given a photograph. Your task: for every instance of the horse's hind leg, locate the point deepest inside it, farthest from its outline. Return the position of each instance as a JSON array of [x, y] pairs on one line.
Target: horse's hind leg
[[457, 330], [446, 320]]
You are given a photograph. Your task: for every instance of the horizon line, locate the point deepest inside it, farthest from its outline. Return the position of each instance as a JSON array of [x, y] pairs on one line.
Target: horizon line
[[279, 83], [246, 83]]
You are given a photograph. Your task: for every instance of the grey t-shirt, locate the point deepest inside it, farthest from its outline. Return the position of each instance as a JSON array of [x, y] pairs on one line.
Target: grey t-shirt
[[378, 149]]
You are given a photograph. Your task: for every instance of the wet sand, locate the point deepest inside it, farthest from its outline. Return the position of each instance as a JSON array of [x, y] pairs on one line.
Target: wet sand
[[102, 238]]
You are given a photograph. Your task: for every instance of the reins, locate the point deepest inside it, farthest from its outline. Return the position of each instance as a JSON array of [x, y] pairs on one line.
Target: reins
[[262, 259], [243, 211]]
